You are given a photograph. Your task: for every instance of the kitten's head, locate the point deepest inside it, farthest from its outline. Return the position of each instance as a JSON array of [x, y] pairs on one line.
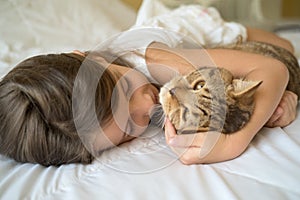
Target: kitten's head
[[201, 100]]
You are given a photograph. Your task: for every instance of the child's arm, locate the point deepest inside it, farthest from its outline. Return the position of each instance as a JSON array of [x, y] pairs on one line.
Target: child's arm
[[264, 36], [241, 64]]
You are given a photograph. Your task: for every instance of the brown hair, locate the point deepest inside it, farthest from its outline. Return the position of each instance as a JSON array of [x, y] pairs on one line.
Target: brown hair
[[37, 119]]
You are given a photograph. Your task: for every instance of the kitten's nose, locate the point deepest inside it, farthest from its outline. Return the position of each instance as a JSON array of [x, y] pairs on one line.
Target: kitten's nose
[[172, 91]]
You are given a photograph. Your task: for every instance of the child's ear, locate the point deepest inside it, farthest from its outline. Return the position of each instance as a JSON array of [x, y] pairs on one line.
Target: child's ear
[[244, 89]]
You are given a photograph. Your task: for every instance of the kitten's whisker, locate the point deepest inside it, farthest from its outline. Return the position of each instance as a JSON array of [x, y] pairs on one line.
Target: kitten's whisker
[[157, 116]]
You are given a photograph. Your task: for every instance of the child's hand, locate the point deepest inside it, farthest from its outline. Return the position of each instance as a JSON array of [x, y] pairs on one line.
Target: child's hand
[[208, 147], [285, 112]]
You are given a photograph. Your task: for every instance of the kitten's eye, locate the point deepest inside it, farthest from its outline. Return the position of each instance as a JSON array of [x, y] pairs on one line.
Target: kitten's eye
[[199, 85]]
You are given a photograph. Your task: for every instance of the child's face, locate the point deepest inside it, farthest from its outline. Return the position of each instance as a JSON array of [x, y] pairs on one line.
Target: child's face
[[131, 116], [136, 99]]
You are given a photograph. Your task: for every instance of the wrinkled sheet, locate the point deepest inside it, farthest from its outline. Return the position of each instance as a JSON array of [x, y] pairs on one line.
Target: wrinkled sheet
[[144, 168]]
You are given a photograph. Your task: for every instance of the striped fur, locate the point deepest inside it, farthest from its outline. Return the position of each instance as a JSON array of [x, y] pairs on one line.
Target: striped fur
[[208, 99], [223, 104], [275, 52]]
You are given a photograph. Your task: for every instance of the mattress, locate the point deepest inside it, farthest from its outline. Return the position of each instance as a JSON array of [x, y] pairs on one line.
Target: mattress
[[145, 168]]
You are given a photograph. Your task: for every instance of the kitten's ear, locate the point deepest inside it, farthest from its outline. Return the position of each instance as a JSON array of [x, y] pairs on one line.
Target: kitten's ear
[[245, 89]]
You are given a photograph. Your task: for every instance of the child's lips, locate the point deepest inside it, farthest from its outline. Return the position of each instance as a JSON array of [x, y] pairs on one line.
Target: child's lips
[[155, 97]]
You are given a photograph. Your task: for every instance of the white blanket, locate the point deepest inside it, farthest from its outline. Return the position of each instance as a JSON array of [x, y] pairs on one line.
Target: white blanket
[[51, 26], [144, 168], [203, 25]]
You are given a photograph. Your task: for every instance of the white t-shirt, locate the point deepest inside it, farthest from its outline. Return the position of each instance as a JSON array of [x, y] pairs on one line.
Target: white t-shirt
[[189, 26], [131, 45], [201, 24]]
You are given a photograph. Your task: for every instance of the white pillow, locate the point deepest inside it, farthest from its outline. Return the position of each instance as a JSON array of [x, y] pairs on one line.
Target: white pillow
[[30, 27]]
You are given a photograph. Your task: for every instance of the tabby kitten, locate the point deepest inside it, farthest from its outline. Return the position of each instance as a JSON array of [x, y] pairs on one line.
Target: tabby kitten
[[278, 53], [210, 99]]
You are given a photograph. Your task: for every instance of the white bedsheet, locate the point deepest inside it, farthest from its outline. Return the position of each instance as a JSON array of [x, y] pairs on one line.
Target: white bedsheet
[[144, 168], [31, 27], [147, 169]]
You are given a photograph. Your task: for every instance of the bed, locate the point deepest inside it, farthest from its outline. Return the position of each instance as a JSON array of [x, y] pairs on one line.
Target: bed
[[144, 168]]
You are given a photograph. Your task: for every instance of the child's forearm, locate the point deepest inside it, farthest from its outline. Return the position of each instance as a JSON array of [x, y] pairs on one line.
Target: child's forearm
[[241, 64], [265, 36]]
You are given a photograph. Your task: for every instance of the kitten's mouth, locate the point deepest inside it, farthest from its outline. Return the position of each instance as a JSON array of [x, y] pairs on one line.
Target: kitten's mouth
[[186, 132], [192, 131]]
